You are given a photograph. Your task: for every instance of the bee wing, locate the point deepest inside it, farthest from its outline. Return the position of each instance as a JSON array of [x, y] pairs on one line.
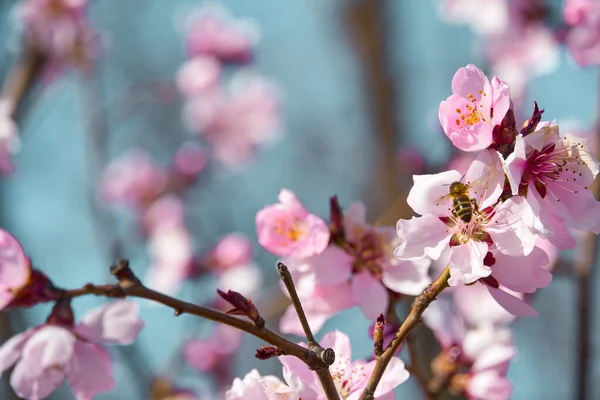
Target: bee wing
[[485, 178]]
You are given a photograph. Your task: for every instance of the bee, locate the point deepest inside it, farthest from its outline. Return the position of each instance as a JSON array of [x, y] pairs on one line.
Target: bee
[[462, 205]]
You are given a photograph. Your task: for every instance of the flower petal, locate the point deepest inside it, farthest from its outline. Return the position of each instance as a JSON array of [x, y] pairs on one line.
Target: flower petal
[[466, 263], [407, 277], [512, 304], [10, 352], [112, 323], [425, 236], [523, 274], [369, 294], [332, 267], [428, 191], [89, 372]]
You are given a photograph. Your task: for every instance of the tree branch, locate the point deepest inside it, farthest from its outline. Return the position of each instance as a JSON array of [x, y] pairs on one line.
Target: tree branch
[[414, 317], [130, 286]]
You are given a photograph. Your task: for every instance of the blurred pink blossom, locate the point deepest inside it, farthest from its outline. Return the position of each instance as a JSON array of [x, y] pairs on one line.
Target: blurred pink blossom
[[235, 123], [350, 377], [287, 229], [133, 180], [583, 36], [466, 116], [171, 252], [230, 251], [517, 54], [221, 345], [198, 75], [15, 268], [483, 17], [48, 354], [191, 159], [211, 31]]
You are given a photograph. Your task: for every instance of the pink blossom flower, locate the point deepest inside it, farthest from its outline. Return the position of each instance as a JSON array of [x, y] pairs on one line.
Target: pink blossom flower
[[257, 387], [236, 123], [287, 229], [499, 226], [15, 268], [133, 180], [48, 354], [230, 251], [554, 174], [10, 143], [212, 32], [190, 160], [205, 354], [469, 115], [171, 251], [350, 377], [198, 75]]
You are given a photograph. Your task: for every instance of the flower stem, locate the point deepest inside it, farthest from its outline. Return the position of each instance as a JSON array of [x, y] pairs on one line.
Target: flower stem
[[414, 317]]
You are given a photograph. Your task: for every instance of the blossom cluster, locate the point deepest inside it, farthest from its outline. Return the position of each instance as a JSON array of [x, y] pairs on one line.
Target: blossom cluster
[[233, 109], [523, 187]]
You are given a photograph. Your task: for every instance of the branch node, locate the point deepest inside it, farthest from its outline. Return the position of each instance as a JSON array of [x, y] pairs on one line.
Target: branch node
[[177, 313], [124, 274]]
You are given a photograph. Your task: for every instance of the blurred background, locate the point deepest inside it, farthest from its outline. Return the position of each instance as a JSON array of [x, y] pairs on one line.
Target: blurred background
[[358, 85]]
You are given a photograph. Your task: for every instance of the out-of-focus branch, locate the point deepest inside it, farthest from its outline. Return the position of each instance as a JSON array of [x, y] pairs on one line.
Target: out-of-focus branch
[[22, 78], [414, 317], [584, 271], [367, 27]]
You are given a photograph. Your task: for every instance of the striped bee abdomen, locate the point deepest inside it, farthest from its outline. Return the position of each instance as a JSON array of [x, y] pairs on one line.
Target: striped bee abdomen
[[462, 207]]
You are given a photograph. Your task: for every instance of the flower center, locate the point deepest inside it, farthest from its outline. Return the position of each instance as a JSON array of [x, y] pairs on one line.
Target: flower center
[[471, 114], [369, 254], [560, 166], [473, 230], [291, 232]]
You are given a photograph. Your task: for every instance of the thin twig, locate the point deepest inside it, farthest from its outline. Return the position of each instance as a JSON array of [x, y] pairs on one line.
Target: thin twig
[[287, 280], [583, 271], [22, 78], [327, 356], [414, 317]]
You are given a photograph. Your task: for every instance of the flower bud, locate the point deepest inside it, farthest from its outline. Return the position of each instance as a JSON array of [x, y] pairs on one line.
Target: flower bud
[[378, 335], [266, 352], [242, 306]]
